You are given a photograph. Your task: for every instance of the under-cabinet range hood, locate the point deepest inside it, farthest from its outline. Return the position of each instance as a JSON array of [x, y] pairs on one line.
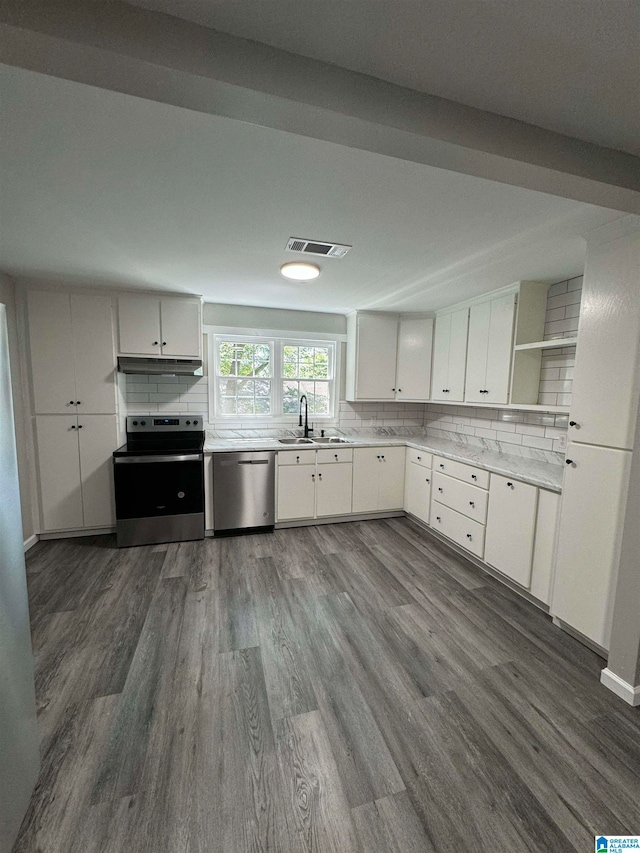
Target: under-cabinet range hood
[[160, 366]]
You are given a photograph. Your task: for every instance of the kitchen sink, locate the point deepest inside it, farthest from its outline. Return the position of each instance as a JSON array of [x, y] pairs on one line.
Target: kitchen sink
[[295, 440], [334, 439]]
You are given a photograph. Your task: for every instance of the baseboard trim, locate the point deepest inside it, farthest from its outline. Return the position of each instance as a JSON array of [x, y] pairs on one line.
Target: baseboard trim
[[71, 534], [338, 519], [30, 542], [627, 692]]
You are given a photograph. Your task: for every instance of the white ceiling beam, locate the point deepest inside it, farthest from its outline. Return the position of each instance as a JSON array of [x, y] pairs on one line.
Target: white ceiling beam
[[150, 55]]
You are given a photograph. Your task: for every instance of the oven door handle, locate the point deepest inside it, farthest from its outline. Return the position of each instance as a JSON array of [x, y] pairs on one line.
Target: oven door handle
[[137, 460]]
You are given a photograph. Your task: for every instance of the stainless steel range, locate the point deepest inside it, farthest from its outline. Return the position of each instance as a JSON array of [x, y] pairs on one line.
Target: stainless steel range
[[159, 481]]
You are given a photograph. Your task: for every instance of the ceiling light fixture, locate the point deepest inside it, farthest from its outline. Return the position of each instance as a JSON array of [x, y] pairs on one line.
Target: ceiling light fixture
[[300, 271]]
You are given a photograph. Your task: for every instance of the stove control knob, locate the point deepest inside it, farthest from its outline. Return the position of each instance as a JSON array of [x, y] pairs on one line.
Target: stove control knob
[[188, 423], [143, 423], [195, 422], [135, 423]]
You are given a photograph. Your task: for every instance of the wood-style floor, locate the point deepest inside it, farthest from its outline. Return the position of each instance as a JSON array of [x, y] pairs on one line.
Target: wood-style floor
[[353, 687]]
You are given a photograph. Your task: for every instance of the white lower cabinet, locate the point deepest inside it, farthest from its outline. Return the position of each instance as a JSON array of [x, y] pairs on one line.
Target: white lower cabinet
[[511, 524], [296, 491], [417, 486], [544, 546], [314, 484], [466, 532], [75, 470], [333, 489], [378, 478], [463, 497]]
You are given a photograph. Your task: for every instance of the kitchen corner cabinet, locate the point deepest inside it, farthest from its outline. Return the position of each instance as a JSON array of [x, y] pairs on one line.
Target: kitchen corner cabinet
[[72, 353], [75, 470], [489, 350], [378, 478], [450, 356], [417, 484], [388, 357], [152, 325], [511, 525]]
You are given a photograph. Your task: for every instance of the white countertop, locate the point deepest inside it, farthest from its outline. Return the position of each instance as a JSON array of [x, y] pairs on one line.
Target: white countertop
[[546, 475]]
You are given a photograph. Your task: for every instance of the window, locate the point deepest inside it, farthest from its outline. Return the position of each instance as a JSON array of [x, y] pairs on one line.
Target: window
[[258, 377]]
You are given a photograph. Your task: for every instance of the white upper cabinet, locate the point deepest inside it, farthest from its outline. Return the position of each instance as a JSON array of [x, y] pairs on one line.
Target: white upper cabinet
[[181, 327], [489, 350], [413, 365], [605, 389], [450, 356], [372, 341], [150, 325], [94, 354], [72, 353], [139, 325]]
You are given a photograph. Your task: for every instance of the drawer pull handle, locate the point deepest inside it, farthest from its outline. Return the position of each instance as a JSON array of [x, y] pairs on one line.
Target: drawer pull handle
[[382, 457], [472, 503], [438, 518], [469, 536], [510, 485], [313, 476], [569, 461], [319, 476], [474, 477], [419, 458], [573, 423], [441, 465], [440, 490], [427, 481]]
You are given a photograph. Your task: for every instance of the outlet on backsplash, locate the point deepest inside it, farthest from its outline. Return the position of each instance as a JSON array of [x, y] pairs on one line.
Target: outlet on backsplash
[[561, 443]]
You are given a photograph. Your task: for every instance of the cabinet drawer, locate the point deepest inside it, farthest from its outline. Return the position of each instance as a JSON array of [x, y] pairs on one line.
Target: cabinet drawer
[[467, 473], [467, 533], [296, 457], [420, 457], [339, 454], [469, 500]]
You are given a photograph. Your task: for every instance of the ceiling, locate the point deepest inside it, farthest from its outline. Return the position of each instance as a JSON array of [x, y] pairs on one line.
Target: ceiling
[[100, 187], [571, 66]]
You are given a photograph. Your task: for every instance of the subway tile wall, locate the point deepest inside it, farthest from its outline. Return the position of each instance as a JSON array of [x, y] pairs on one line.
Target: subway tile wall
[[180, 395], [563, 309], [533, 430]]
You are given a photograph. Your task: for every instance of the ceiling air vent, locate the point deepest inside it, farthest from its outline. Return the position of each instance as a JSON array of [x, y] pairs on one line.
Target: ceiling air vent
[[317, 247]]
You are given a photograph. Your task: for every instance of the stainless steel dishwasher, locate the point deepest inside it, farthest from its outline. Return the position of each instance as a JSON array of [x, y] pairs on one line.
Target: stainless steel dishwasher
[[244, 486]]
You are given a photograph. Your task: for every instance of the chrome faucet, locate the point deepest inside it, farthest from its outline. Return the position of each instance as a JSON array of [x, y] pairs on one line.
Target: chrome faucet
[[307, 428]]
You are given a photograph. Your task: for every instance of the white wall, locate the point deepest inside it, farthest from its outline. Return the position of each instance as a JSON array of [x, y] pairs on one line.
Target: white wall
[[7, 296]]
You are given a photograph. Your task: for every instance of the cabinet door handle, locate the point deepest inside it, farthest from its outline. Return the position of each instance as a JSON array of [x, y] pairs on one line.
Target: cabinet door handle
[[319, 476], [474, 477], [418, 458], [164, 343], [393, 389], [73, 427], [441, 465], [510, 485], [472, 503], [569, 461], [297, 458], [438, 518], [469, 536], [71, 402], [313, 476], [440, 490], [382, 457], [573, 423], [155, 343], [400, 390], [79, 426], [336, 455], [427, 481], [77, 402]]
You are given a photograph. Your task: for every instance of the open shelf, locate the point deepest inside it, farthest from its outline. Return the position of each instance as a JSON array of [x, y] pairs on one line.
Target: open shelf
[[557, 343]]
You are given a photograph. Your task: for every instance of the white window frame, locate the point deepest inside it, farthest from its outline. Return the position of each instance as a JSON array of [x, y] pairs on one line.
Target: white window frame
[[278, 340]]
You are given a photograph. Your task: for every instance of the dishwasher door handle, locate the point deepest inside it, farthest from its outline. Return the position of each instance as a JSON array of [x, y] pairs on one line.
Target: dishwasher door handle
[[253, 462]]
